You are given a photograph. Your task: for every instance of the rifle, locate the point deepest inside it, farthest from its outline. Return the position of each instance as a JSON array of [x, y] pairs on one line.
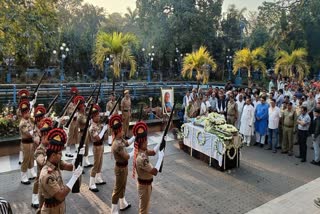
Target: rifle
[[72, 115], [52, 103], [97, 98], [140, 114], [78, 161], [90, 97], [163, 142], [39, 83], [55, 125], [112, 110]]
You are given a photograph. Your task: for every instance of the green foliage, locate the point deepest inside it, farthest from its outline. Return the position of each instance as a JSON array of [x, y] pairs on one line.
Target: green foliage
[[294, 64], [117, 45], [250, 61], [197, 61]]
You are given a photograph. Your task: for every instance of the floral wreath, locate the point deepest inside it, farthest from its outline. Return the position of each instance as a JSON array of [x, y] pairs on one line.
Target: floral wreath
[[203, 141], [234, 154], [223, 144], [183, 128]]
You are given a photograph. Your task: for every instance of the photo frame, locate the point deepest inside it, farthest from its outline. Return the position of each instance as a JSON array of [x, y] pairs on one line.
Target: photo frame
[[167, 100]]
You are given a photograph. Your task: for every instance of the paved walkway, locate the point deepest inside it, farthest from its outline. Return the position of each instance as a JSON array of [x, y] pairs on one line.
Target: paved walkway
[[188, 185]]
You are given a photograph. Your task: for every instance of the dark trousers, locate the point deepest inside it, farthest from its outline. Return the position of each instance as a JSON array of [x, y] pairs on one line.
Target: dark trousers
[[302, 140]]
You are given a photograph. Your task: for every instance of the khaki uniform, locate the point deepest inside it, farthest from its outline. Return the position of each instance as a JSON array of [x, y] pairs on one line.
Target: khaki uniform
[[98, 148], [120, 169], [232, 113], [73, 128], [50, 183], [145, 178], [40, 156], [126, 114], [110, 105], [81, 123], [289, 122], [25, 127]]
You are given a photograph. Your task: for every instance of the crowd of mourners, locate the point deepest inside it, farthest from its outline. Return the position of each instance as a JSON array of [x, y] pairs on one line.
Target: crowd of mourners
[[276, 118]]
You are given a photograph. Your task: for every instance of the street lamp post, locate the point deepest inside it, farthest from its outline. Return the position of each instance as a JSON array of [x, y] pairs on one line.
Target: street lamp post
[[229, 63], [106, 67], [64, 50], [242, 25], [149, 60]]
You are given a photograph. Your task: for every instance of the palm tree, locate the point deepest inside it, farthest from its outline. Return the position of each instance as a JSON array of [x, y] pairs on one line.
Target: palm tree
[[118, 45], [294, 64], [249, 60], [199, 61]]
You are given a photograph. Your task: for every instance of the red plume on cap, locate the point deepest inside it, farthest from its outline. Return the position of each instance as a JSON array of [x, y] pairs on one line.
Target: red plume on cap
[[39, 112], [95, 110], [45, 124], [57, 138], [115, 122], [23, 93], [24, 106], [140, 131], [74, 90], [79, 98]]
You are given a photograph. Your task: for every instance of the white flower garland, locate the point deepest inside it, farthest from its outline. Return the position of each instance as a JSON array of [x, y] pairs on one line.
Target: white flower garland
[[203, 141], [234, 154]]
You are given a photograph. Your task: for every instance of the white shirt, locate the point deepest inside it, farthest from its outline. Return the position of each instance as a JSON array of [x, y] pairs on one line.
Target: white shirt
[[203, 109], [186, 100], [274, 117]]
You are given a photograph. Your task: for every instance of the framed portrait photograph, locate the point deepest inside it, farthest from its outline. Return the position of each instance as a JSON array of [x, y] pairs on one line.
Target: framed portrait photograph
[[167, 99]]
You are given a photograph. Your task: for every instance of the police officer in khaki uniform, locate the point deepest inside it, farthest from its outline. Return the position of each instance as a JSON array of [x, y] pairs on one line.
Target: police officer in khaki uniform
[[96, 135], [289, 119], [232, 111], [81, 123], [73, 128], [126, 112], [39, 113], [51, 183], [23, 94], [121, 157], [144, 168], [109, 108], [45, 125], [26, 133]]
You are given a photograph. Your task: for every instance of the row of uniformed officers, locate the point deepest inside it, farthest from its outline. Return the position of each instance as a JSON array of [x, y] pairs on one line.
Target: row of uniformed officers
[[42, 140]]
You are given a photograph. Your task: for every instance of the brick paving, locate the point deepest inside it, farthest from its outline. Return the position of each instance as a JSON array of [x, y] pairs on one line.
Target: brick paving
[[186, 185]]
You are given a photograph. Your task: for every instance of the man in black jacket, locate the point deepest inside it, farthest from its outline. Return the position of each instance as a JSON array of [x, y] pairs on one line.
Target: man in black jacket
[[316, 137]]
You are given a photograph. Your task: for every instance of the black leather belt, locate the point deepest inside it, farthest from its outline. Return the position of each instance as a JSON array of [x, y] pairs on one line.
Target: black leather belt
[[126, 110], [51, 202], [288, 126], [27, 140], [97, 143], [122, 164], [145, 182]]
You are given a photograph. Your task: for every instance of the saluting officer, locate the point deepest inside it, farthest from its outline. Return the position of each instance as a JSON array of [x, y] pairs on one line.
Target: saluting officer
[[96, 135], [109, 108], [26, 133], [51, 183], [126, 112], [45, 125], [143, 167], [23, 94], [39, 113], [121, 157], [73, 128], [81, 123]]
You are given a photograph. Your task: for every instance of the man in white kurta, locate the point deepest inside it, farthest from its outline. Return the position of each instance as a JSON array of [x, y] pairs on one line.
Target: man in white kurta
[[246, 122], [240, 104]]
